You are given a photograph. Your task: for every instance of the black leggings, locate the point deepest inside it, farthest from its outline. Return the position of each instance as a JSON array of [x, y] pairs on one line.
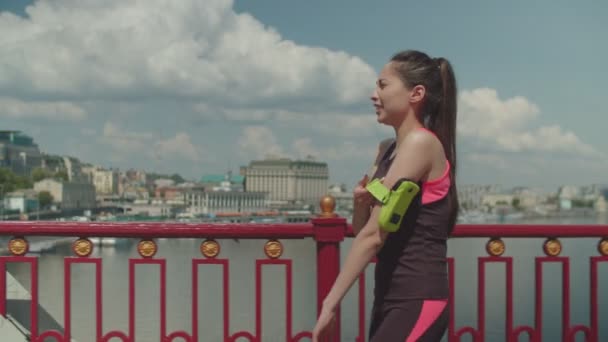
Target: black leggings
[[409, 321]]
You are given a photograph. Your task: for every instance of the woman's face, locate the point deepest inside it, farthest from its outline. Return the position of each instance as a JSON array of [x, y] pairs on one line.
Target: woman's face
[[391, 98]]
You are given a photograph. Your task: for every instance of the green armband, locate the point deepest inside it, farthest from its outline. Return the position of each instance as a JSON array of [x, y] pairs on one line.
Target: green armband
[[395, 202]]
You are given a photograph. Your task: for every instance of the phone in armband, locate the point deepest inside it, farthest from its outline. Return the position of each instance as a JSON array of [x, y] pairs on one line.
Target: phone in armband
[[395, 201]]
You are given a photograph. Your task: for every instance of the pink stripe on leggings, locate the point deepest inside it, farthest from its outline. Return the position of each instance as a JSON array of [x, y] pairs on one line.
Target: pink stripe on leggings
[[431, 309]]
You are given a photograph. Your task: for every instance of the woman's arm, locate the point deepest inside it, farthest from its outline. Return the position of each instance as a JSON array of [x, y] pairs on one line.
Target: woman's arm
[[362, 211], [361, 214], [412, 161]]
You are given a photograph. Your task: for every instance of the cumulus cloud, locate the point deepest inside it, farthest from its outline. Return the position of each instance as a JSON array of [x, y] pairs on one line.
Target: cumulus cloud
[[489, 160], [259, 142], [181, 145], [123, 141], [508, 125], [162, 48], [47, 110]]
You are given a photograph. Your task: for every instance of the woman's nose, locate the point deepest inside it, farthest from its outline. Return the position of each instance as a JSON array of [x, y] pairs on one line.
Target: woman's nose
[[374, 96]]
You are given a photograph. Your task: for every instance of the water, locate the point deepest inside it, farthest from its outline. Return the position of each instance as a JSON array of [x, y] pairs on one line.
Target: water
[[243, 253]]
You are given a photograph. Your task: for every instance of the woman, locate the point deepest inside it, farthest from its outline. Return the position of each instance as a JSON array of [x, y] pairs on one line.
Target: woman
[[416, 95]]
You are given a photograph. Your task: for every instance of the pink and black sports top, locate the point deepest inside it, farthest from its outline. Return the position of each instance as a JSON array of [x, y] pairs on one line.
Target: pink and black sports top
[[412, 264]]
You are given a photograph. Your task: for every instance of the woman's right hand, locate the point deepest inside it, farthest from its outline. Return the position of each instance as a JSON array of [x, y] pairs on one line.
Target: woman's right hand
[[361, 196]]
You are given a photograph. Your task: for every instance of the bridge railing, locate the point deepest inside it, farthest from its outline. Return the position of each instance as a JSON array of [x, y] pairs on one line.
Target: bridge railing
[[328, 233]]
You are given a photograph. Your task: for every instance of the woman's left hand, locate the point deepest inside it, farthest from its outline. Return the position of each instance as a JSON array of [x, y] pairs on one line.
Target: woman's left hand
[[325, 326]]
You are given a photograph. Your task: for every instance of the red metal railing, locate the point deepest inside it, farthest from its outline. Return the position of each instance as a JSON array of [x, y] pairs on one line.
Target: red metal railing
[[328, 234]]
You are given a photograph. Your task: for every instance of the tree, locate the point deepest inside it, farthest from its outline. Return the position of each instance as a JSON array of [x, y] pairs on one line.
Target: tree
[[9, 181], [39, 174], [177, 178], [515, 202], [63, 175], [45, 198]]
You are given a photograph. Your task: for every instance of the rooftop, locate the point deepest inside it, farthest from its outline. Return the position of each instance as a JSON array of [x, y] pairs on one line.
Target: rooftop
[[16, 138], [217, 178]]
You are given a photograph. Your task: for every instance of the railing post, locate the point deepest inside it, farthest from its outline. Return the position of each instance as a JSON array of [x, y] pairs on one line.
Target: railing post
[[329, 231]]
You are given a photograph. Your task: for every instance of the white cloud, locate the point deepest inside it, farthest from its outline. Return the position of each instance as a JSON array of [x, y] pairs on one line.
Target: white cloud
[[304, 148], [259, 142], [181, 145], [164, 48], [508, 125], [47, 110], [338, 124], [344, 125], [138, 61], [124, 142], [487, 159]]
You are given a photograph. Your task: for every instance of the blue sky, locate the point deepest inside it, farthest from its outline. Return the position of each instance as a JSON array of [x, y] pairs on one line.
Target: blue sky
[[196, 87]]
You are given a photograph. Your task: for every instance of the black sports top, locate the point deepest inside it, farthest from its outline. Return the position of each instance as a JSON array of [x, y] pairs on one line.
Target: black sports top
[[412, 264]]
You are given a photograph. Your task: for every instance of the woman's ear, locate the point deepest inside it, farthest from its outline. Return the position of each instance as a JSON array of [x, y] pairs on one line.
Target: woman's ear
[[417, 93]]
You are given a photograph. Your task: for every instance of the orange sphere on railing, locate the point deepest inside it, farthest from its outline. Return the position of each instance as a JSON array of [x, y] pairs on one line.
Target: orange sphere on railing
[[328, 205]]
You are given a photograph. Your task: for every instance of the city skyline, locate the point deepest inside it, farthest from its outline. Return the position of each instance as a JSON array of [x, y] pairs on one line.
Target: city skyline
[[240, 80]]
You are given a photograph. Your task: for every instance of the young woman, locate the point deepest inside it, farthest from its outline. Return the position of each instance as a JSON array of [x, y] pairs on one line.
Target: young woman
[[416, 95]]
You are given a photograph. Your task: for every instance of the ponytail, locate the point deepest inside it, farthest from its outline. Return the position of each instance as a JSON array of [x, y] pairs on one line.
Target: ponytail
[[445, 128]]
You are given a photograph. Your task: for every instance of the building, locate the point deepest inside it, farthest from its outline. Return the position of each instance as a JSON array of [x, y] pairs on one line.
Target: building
[[19, 153], [105, 181], [343, 197], [70, 165], [23, 201], [175, 194], [494, 200], [287, 181], [528, 198], [225, 182], [601, 205], [68, 195], [471, 196], [213, 202]]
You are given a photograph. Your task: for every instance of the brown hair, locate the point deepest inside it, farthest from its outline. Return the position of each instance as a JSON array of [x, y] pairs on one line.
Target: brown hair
[[439, 107]]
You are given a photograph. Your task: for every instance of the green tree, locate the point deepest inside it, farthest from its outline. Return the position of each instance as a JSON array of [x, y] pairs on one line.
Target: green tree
[[63, 175], [177, 178], [515, 203], [45, 199], [9, 181], [39, 174]]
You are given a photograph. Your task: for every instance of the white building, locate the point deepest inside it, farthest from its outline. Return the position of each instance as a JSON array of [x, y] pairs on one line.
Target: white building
[[601, 205], [343, 197], [494, 200], [287, 181], [212, 202], [24, 201], [105, 181], [570, 192], [69, 195], [528, 198], [471, 196]]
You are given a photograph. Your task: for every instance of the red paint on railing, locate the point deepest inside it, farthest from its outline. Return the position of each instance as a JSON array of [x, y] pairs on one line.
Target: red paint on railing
[[328, 234], [33, 261], [161, 229], [51, 334], [594, 321], [266, 231], [225, 295], [565, 262], [68, 298]]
